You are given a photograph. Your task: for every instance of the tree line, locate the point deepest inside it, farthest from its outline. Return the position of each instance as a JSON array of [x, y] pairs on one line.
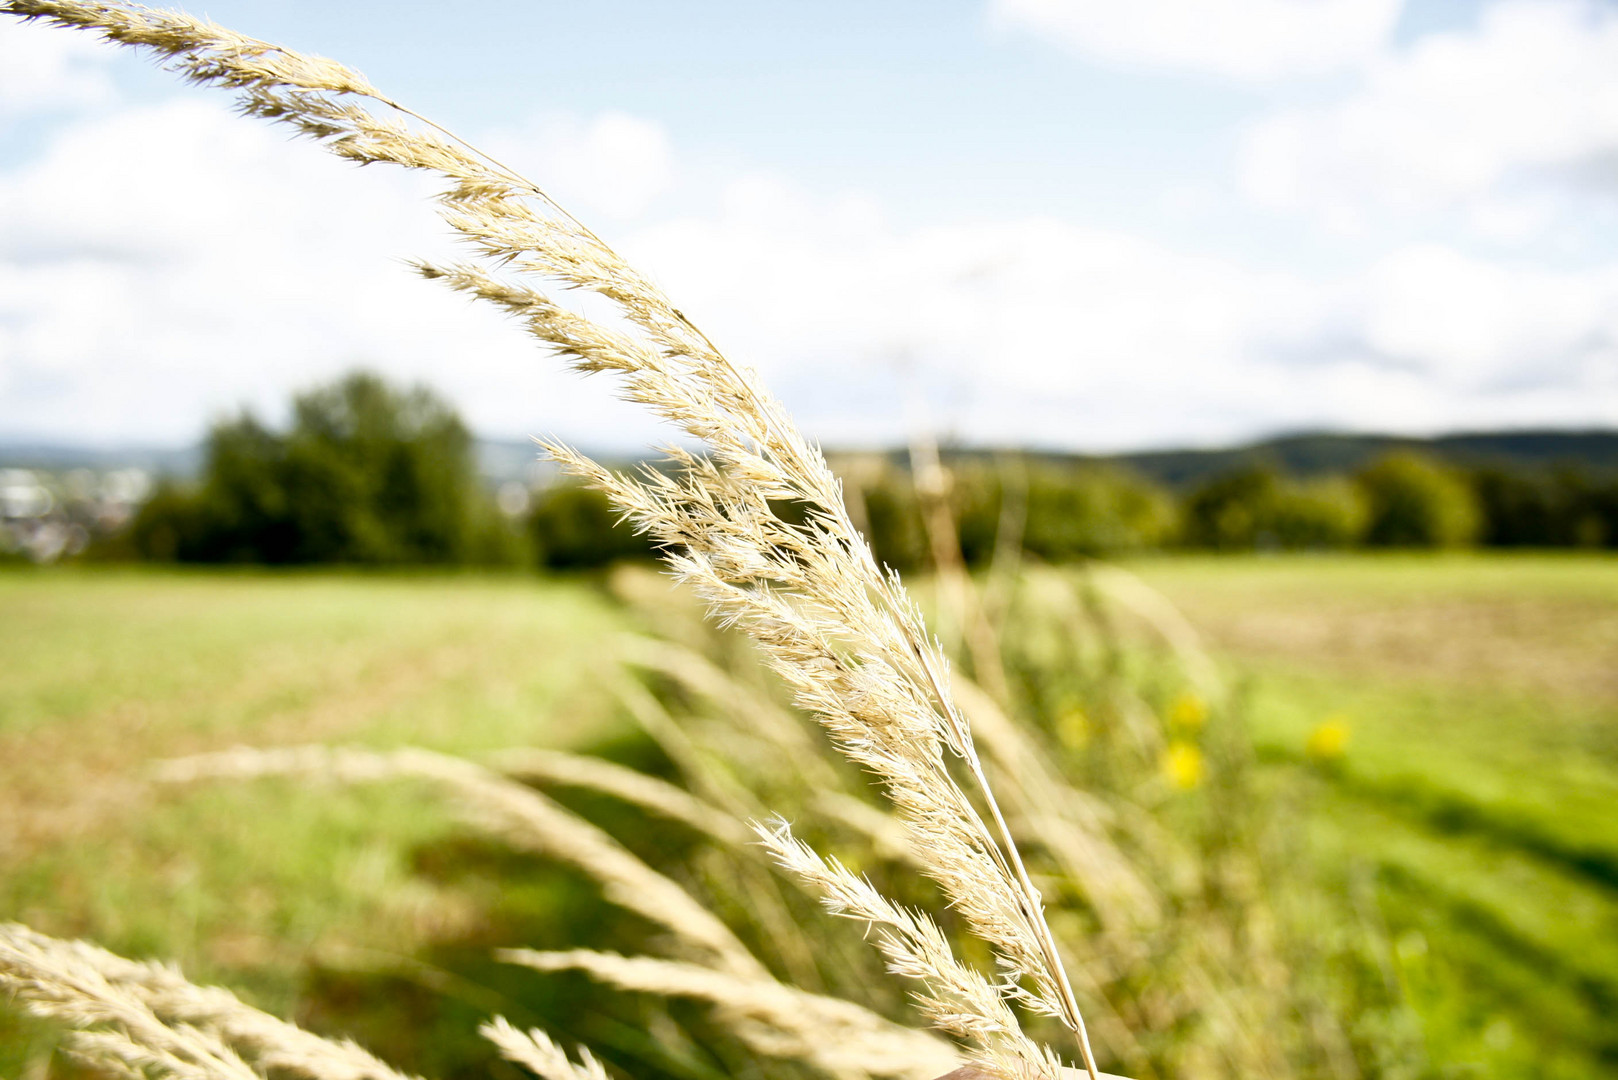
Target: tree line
[[370, 474]]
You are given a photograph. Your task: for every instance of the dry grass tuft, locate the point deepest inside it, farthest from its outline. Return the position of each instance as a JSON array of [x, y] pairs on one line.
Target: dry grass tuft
[[836, 1036], [538, 1053], [147, 1019]]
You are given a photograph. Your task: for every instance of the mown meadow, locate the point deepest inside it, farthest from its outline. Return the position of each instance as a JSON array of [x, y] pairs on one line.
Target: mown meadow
[[1442, 728]]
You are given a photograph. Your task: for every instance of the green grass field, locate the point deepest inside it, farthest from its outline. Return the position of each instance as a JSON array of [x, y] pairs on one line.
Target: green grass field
[[1475, 795], [258, 885], [1479, 786]]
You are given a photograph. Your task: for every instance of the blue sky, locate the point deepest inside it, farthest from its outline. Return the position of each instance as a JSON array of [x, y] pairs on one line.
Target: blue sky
[[1060, 223]]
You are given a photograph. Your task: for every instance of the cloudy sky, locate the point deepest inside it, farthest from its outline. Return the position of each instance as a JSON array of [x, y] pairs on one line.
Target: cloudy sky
[[1065, 223]]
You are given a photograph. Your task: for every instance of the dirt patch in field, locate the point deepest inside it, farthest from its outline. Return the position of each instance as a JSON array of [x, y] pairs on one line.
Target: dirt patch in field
[[1560, 647]]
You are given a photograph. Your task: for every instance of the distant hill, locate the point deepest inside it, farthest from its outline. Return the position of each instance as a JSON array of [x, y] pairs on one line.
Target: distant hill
[[1309, 454], [1317, 453], [58, 457], [498, 459], [1313, 454]]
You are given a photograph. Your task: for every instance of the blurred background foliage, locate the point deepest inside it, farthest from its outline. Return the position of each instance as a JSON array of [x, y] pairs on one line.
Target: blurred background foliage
[[374, 475], [365, 474]]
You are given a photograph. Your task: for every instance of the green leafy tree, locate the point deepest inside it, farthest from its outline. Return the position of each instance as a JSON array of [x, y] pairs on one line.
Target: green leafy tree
[[894, 525], [1558, 507], [1255, 506], [367, 474], [1416, 502], [384, 476], [1329, 512], [1067, 512], [1090, 510], [573, 527], [243, 512], [1233, 511]]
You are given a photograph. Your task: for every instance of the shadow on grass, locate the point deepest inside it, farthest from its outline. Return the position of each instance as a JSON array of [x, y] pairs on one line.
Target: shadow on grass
[[1449, 814], [422, 1011]]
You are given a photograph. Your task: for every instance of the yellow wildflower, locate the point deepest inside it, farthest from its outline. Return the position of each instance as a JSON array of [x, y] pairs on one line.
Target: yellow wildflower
[[1183, 765], [1188, 712], [1329, 740]]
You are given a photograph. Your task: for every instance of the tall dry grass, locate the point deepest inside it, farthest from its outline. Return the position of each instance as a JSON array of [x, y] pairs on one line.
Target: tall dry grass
[[840, 632], [776, 1020], [1176, 889], [146, 1018], [1181, 963], [1167, 884]]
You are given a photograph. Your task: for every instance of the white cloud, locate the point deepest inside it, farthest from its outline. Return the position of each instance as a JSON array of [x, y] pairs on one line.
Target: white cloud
[[1479, 118], [1478, 324], [1047, 332], [612, 164], [41, 68], [167, 262], [1255, 40], [163, 264]]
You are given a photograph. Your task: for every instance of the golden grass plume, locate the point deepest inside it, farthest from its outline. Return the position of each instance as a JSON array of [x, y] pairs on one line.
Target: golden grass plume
[[148, 1020], [842, 633]]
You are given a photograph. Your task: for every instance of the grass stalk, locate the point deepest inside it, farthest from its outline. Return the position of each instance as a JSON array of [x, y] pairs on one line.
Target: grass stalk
[[840, 631]]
